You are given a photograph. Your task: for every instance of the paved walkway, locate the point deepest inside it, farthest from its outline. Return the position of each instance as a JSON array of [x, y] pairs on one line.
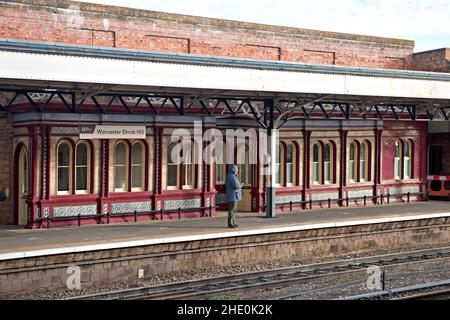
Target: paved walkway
[[14, 239]]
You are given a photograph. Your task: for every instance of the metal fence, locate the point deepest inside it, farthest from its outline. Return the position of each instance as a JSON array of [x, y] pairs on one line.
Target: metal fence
[[207, 212], [384, 198]]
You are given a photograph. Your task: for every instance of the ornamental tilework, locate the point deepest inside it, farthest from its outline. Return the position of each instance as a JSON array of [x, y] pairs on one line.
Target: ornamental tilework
[[360, 193], [287, 199], [405, 189], [181, 203], [70, 211], [129, 207], [325, 196]]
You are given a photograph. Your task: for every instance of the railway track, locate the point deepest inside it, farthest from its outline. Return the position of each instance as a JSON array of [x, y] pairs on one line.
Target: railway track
[[438, 290], [210, 287]]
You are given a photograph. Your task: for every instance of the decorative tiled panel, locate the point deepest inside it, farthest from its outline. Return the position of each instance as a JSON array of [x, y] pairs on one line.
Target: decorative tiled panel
[[65, 130], [325, 196], [70, 211], [181, 203], [129, 207], [287, 199], [360, 193], [221, 198], [405, 189]]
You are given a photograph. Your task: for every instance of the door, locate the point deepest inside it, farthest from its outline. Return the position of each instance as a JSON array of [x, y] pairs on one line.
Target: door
[[245, 175], [435, 159], [22, 186]]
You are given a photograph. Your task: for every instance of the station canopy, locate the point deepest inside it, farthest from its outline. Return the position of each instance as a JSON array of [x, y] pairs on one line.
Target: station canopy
[[111, 80]]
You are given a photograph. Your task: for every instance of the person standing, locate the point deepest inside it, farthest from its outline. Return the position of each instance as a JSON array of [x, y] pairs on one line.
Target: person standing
[[234, 194]]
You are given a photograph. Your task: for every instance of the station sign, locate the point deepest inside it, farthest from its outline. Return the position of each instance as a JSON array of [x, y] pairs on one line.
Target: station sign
[[111, 132]]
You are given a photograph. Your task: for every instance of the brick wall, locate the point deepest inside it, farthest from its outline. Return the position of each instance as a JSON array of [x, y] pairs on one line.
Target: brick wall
[[434, 60], [98, 25], [6, 172], [30, 274]]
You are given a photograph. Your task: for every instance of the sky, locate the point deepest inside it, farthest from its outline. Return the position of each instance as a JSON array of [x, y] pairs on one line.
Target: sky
[[427, 22]]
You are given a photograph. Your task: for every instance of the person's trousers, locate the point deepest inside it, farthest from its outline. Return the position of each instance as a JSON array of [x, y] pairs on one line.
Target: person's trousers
[[232, 206]]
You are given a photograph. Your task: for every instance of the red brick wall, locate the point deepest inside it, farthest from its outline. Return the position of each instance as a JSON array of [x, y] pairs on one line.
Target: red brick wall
[[6, 171], [434, 60], [394, 130], [91, 24]]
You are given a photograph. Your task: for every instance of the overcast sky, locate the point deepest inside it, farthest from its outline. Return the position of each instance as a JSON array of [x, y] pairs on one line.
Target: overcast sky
[[427, 22]]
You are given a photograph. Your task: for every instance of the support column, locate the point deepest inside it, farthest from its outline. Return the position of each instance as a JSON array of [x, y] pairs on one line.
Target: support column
[[343, 167], [377, 160], [271, 150], [306, 158]]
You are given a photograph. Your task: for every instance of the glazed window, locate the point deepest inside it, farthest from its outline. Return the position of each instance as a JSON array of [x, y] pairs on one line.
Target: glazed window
[[137, 167], [407, 149], [245, 174], [82, 168], [397, 161], [120, 169], [290, 165], [64, 168], [221, 168], [278, 167], [327, 163], [316, 164], [363, 162], [188, 169], [173, 169], [351, 162]]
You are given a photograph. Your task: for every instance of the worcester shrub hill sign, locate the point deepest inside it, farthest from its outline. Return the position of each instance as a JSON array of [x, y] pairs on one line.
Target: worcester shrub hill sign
[[112, 132]]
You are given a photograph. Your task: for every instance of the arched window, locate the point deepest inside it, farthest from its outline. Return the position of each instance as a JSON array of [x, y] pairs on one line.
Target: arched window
[[279, 167], [221, 166], [290, 170], [245, 173], [121, 167], [363, 162], [327, 163], [173, 168], [407, 156], [137, 167], [397, 159], [188, 168], [317, 168], [82, 164], [64, 169], [351, 162]]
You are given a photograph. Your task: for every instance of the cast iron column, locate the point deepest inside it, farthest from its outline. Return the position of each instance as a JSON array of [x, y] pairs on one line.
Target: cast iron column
[[271, 150]]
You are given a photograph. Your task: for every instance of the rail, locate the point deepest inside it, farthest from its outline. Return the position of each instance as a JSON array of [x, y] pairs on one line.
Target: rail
[[384, 198], [207, 212]]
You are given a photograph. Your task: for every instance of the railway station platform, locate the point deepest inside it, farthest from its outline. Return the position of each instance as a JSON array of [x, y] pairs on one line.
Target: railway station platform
[[16, 242], [37, 258]]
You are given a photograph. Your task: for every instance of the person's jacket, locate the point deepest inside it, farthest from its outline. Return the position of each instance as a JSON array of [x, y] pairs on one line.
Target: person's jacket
[[233, 186]]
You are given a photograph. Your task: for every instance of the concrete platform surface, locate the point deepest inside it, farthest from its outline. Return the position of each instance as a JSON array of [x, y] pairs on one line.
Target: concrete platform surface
[[16, 242]]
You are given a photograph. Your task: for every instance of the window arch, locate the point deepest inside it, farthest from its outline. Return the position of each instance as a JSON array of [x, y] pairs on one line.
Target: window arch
[[64, 167], [173, 168], [364, 161], [188, 168], [328, 163], [278, 166], [137, 166], [407, 159], [82, 167], [317, 160], [397, 159], [290, 164], [121, 167]]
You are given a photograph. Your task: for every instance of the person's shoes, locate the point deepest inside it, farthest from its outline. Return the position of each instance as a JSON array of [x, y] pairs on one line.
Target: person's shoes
[[231, 226], [235, 226]]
